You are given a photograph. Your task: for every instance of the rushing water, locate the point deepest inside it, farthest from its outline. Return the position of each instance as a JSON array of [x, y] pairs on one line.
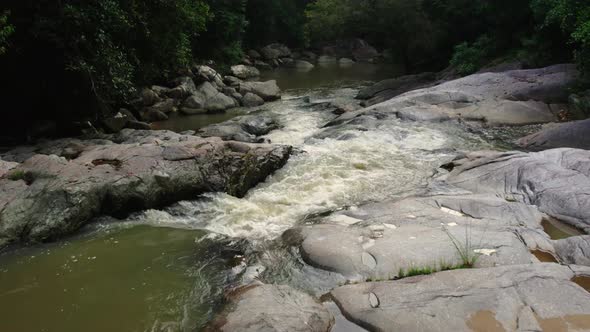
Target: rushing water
[[132, 276]]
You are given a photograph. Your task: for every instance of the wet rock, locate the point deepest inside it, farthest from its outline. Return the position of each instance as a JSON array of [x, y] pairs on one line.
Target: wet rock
[[534, 297], [206, 73], [275, 51], [303, 65], [511, 98], [149, 97], [244, 72], [115, 123], [254, 54], [565, 135], [556, 181], [394, 87], [573, 250], [207, 99], [268, 90], [243, 129], [251, 100], [147, 169], [386, 240], [273, 308], [232, 81], [345, 62], [184, 87]]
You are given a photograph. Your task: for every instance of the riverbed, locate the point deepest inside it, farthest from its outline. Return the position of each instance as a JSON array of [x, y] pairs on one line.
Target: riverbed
[[166, 270]]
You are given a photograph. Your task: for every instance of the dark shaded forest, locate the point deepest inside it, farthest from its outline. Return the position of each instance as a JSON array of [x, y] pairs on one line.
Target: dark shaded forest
[[65, 60]]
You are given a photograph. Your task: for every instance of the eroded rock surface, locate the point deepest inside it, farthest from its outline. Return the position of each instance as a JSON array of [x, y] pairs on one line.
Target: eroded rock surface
[[533, 297], [574, 134], [556, 181], [516, 97], [46, 195], [273, 308]]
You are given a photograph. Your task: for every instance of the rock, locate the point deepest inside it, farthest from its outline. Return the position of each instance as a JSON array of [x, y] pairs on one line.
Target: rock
[[272, 308], [149, 97], [243, 129], [165, 106], [534, 297], [268, 90], [254, 54], [390, 88], [161, 91], [206, 73], [363, 52], [275, 51], [308, 55], [556, 181], [6, 166], [287, 62], [251, 100], [303, 65], [244, 72], [147, 169], [511, 98], [262, 65], [134, 124], [326, 60], [384, 240], [232, 81], [574, 134], [150, 115], [184, 87], [115, 123], [573, 250], [345, 62], [207, 99]]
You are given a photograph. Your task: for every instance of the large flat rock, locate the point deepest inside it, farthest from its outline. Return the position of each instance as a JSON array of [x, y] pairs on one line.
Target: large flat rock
[[517, 97], [533, 297], [391, 239], [556, 181], [47, 196], [574, 134], [273, 308]]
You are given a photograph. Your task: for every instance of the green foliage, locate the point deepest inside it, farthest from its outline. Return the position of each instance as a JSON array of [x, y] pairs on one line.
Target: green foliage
[[271, 21], [467, 59], [6, 30], [224, 31]]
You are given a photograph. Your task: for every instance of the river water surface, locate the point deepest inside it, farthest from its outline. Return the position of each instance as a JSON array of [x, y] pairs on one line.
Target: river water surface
[[166, 270]]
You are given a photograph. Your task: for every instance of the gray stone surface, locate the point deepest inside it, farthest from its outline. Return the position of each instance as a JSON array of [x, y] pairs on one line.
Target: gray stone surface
[[246, 128], [273, 308], [268, 90], [510, 98], [557, 181], [244, 72], [55, 196], [207, 99], [533, 297], [379, 240], [573, 250], [251, 100], [574, 134]]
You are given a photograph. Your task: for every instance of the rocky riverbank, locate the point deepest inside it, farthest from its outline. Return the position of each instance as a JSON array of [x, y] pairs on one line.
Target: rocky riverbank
[[469, 252]]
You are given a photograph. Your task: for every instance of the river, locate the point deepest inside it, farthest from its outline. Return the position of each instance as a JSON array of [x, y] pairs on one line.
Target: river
[[166, 270]]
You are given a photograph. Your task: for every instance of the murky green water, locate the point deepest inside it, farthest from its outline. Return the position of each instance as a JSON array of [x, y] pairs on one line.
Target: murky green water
[[179, 123], [135, 279]]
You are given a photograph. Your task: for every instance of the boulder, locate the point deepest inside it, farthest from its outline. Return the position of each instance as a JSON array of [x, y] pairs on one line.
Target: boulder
[[556, 181], [161, 91], [251, 100], [308, 55], [115, 123], [244, 72], [268, 90], [326, 60], [207, 99], [253, 54], [149, 97], [232, 81], [165, 106], [184, 87], [390, 88], [262, 65], [146, 169], [150, 115], [574, 134], [272, 308], [6, 166], [275, 51], [573, 250], [388, 240], [302, 65], [206, 73], [533, 297], [497, 99], [246, 128], [345, 62]]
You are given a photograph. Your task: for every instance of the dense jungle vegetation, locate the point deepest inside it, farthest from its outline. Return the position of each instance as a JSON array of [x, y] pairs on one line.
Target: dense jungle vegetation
[[70, 58]]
